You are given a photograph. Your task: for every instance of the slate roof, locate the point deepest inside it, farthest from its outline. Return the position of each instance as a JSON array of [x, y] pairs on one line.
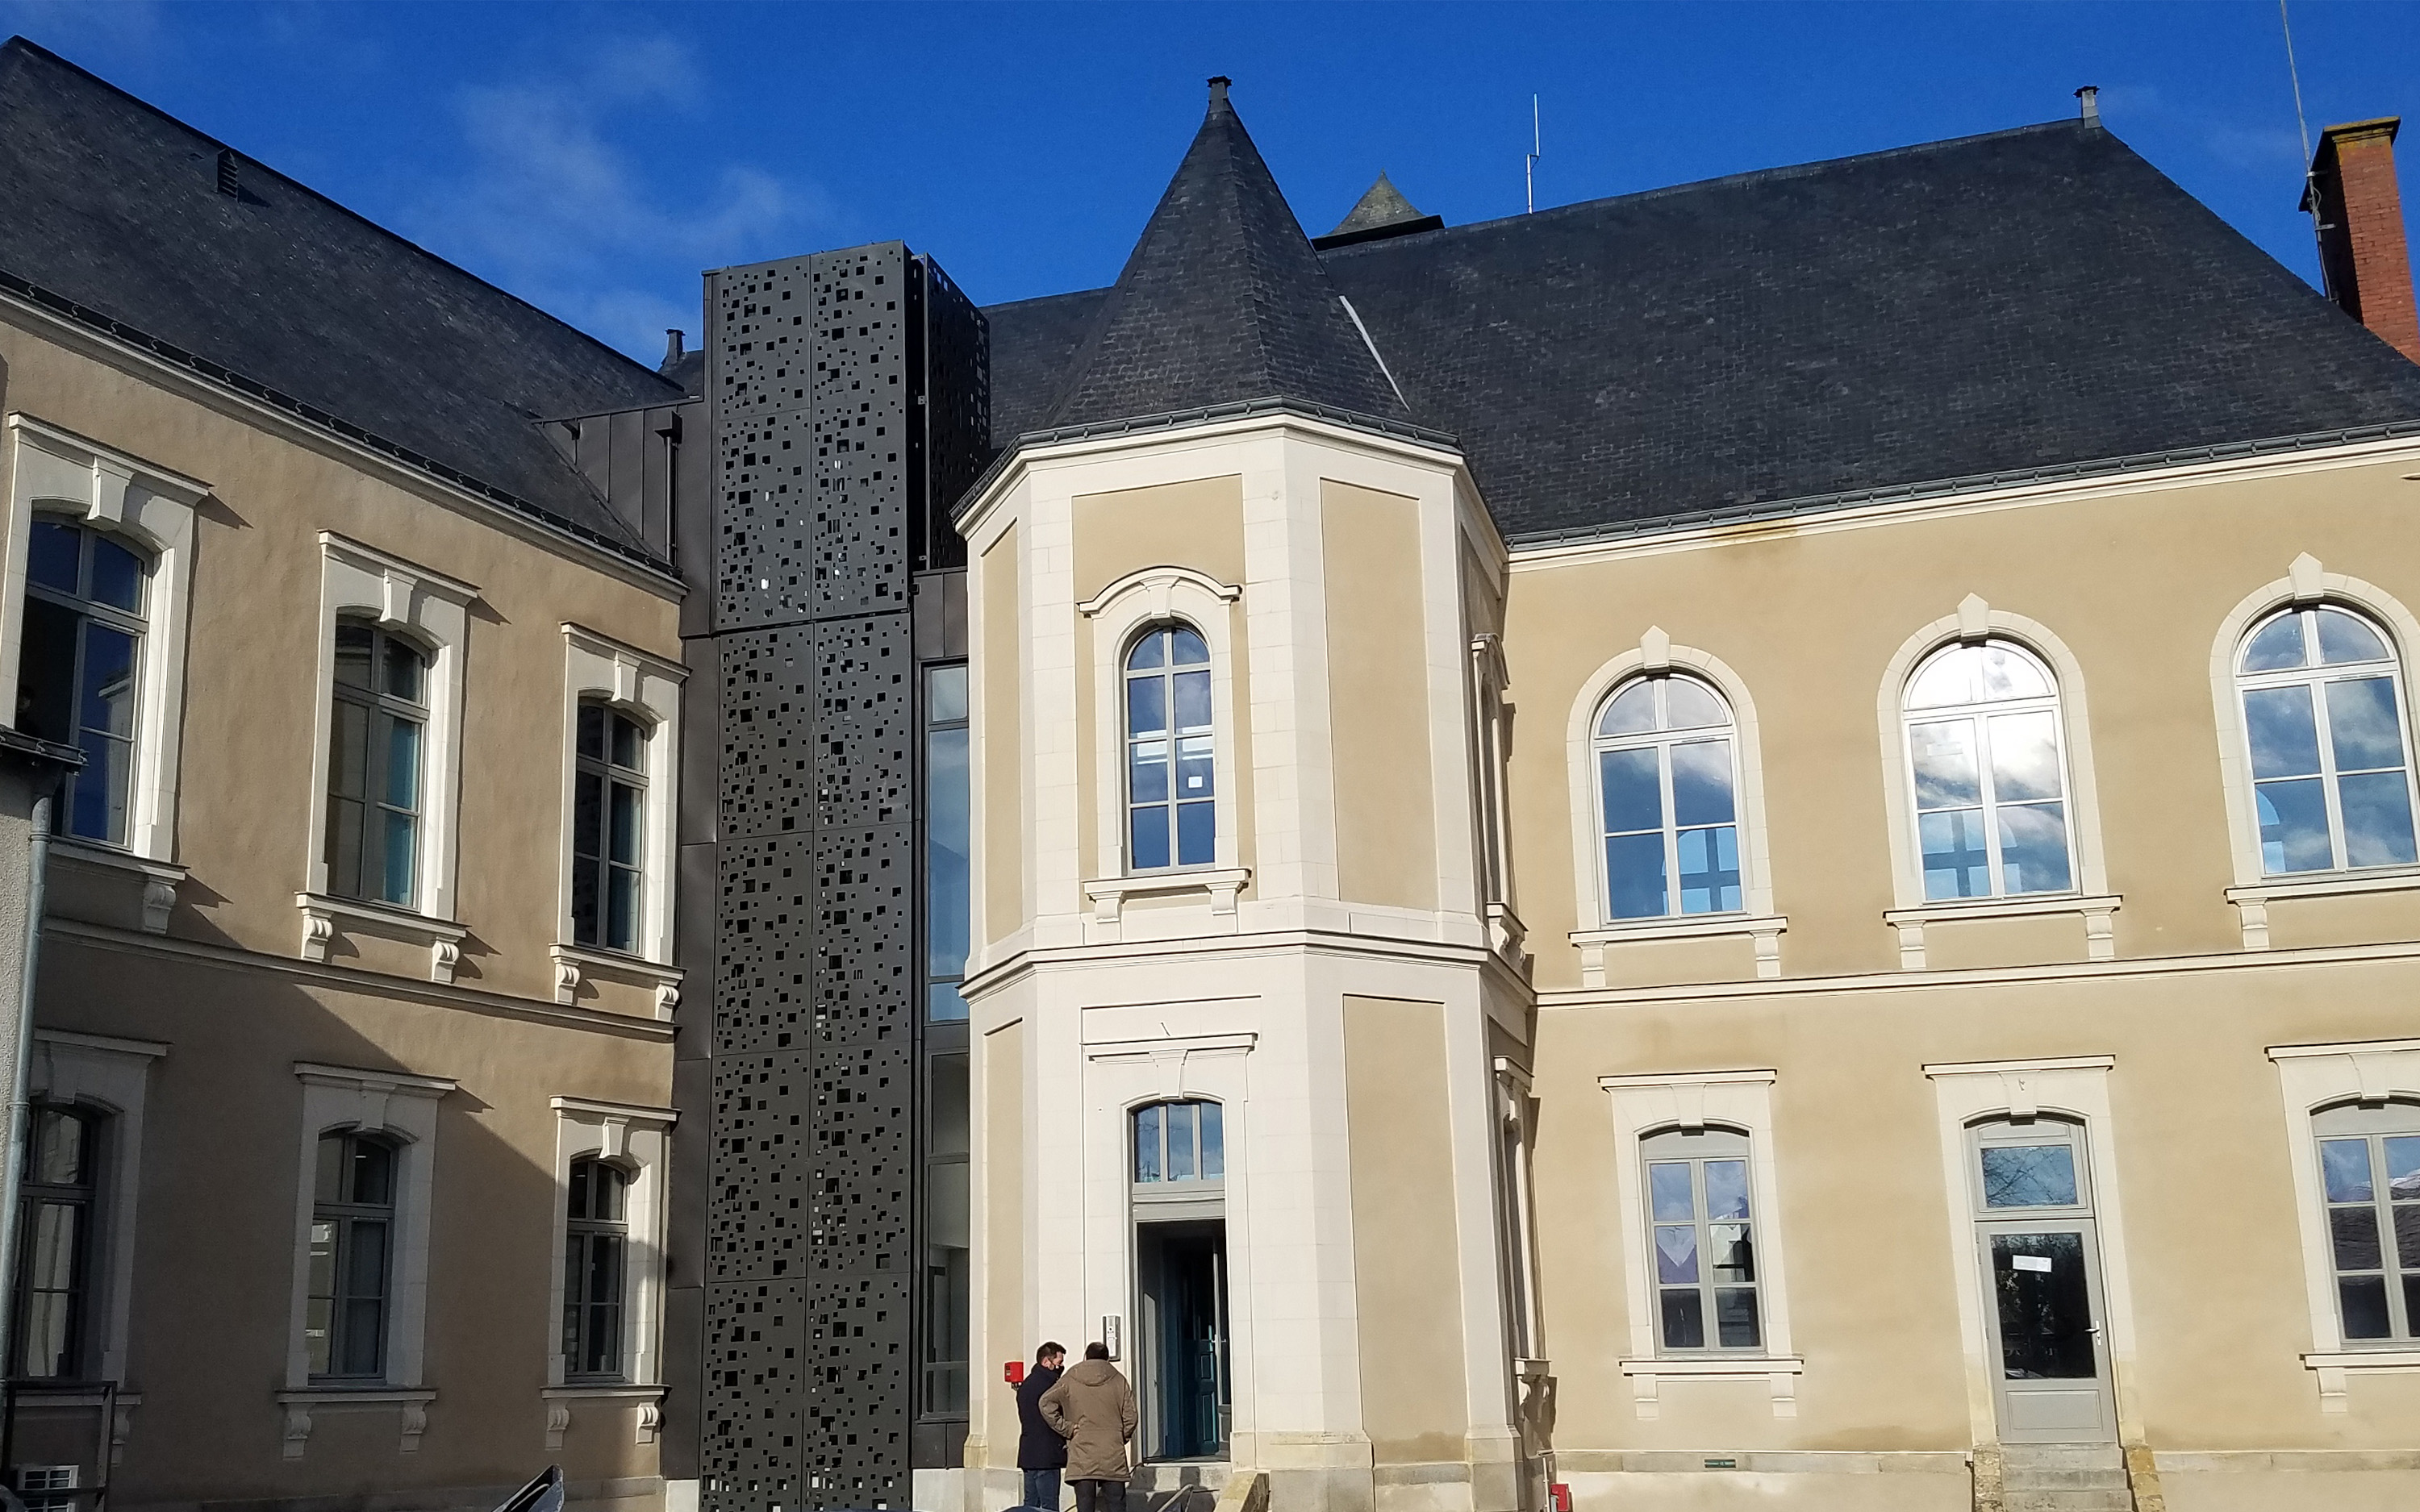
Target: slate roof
[[2039, 298], [115, 207], [1223, 299]]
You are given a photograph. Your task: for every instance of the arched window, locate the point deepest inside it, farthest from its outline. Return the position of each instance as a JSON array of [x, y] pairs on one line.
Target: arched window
[[1702, 1239], [76, 678], [596, 1258], [2369, 1179], [1667, 779], [1987, 761], [1170, 788], [2323, 716], [1179, 1142], [609, 836], [352, 1240], [55, 1218], [379, 716]]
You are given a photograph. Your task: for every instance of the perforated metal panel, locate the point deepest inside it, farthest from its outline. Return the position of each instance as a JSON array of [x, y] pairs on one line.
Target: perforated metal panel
[[755, 1393], [818, 383], [866, 720], [856, 1448]]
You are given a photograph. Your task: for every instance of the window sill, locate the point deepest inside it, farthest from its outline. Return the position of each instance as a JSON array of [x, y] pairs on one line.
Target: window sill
[[575, 963], [300, 1405], [1764, 929], [1220, 884], [2334, 1367], [322, 913], [1780, 1373], [117, 870], [2096, 909], [558, 1401], [2252, 898]]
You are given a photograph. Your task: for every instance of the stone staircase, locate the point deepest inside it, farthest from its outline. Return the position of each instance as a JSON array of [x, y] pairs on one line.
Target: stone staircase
[[2058, 1477], [1177, 1486]]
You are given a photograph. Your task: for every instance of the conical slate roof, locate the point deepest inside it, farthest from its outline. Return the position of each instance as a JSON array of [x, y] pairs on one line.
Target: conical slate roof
[[1383, 204], [1222, 300]]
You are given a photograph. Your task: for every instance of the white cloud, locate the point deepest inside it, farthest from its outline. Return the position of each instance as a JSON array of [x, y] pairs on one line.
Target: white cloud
[[551, 206]]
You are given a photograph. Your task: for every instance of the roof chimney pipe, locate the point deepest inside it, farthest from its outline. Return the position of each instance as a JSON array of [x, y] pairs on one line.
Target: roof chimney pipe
[[1219, 83], [2090, 97], [673, 340], [2360, 213]]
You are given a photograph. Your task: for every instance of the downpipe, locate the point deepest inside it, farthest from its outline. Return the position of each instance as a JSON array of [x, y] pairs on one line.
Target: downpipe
[[12, 1153]]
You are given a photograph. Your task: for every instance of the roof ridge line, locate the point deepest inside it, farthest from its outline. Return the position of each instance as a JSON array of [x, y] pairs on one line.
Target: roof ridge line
[[21, 42], [1788, 170]]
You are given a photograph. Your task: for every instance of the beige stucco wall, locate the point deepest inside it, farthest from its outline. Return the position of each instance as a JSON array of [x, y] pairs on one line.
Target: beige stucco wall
[[2135, 581], [216, 1224], [2199, 1136], [225, 991], [1197, 525], [1000, 645], [1403, 1264], [1003, 1255], [1378, 694], [1809, 614]]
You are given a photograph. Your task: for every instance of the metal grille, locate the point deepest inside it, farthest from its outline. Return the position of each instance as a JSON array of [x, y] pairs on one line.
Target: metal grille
[[821, 400], [754, 1396]]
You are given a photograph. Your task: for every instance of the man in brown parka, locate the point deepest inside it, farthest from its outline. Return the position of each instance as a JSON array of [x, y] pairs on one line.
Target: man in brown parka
[[1094, 1409]]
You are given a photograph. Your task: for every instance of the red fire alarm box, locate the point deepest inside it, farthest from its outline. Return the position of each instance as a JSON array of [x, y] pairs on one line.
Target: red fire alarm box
[[1014, 1373], [1563, 1495]]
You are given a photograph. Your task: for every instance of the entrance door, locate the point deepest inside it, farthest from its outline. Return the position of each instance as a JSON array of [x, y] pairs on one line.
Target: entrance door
[[2042, 1268], [1181, 1267]]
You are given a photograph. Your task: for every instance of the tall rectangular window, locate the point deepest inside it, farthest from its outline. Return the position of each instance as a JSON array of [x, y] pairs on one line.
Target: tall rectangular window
[[948, 841], [352, 1233], [2369, 1177], [55, 1232], [378, 718], [1702, 1241], [947, 1222], [76, 676], [609, 833], [596, 1252]]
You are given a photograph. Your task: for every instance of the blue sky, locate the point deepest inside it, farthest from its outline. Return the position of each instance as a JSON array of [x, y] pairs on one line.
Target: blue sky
[[594, 158]]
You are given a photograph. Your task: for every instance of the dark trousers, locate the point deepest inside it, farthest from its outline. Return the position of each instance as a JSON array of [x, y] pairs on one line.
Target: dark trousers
[[1041, 1490], [1100, 1496]]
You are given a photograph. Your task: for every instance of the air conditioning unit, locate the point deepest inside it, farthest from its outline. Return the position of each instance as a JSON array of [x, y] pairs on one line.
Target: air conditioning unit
[[48, 1478]]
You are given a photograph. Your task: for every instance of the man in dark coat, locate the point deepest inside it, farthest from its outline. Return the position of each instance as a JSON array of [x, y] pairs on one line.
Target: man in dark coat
[[1040, 1451]]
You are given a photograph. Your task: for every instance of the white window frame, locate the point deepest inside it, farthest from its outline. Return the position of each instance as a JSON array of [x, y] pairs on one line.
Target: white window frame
[[1598, 941], [2306, 585], [2076, 1089], [111, 1076], [1161, 596], [1661, 741], [2090, 899], [58, 471], [434, 611], [1736, 1099], [404, 1109], [2312, 1078], [639, 1140], [648, 689]]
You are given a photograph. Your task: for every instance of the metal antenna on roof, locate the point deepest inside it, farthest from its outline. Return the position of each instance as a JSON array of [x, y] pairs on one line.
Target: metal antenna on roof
[[2310, 168], [1529, 169]]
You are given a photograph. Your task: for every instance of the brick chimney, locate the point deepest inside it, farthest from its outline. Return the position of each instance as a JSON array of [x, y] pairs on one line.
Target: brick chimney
[[2361, 230]]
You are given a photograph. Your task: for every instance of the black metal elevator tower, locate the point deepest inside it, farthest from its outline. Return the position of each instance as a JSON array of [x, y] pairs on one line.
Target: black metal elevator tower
[[847, 407]]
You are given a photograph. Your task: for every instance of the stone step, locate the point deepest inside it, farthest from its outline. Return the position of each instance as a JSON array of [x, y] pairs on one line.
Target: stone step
[[2066, 1501]]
